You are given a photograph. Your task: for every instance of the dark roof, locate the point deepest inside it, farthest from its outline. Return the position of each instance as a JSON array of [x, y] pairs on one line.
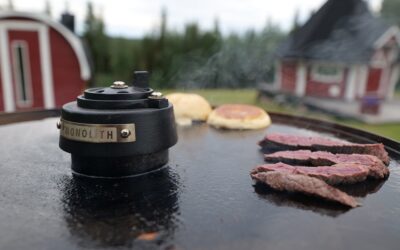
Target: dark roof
[[340, 31]]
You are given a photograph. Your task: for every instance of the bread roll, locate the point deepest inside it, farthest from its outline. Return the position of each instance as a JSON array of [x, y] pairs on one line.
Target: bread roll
[[239, 116], [189, 107]]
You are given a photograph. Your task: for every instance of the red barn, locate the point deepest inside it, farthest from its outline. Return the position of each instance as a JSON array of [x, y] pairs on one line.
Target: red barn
[[43, 64], [342, 52]]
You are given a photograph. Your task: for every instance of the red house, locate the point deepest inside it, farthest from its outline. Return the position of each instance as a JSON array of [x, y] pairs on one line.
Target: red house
[[342, 52], [42, 63]]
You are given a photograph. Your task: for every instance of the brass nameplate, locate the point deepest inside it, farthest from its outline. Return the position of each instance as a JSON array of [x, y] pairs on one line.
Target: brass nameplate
[[97, 133]]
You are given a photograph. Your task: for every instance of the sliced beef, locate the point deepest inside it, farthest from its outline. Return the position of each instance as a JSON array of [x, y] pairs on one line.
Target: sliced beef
[[342, 173], [298, 201], [316, 143], [285, 181], [375, 166]]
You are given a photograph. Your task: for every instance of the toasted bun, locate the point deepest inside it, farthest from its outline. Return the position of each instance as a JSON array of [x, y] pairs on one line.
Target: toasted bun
[[189, 107], [239, 116]]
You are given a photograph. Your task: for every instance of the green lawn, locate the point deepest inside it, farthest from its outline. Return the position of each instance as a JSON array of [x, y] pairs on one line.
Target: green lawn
[[390, 130], [397, 94], [220, 96], [248, 96]]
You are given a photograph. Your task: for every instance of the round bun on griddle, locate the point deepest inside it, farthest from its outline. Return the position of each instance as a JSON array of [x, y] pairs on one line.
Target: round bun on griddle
[[189, 107], [239, 116]]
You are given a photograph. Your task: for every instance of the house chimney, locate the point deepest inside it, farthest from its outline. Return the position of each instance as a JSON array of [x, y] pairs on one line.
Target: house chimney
[[68, 20]]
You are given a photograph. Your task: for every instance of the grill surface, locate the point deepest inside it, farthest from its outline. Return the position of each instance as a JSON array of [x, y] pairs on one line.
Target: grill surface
[[204, 199]]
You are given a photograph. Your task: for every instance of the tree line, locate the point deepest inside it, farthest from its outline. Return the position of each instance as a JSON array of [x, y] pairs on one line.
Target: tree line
[[192, 58]]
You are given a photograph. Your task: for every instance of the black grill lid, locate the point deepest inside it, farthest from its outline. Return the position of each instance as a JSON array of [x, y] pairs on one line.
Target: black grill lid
[[122, 96], [118, 91], [119, 130]]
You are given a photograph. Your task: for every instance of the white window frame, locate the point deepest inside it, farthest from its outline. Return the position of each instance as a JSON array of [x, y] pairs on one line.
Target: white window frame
[[27, 74], [317, 76], [45, 61], [378, 60], [393, 54]]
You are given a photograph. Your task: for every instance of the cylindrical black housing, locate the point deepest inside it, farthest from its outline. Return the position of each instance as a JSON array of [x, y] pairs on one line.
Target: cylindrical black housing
[[118, 131]]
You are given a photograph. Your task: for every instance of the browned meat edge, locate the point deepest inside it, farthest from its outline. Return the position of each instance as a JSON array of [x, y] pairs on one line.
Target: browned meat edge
[[304, 184], [375, 166], [315, 143], [347, 173]]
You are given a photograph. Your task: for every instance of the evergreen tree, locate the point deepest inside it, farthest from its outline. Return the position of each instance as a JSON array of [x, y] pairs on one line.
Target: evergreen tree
[[190, 59], [163, 25], [216, 30], [97, 40], [47, 8], [10, 5], [391, 11], [296, 22]]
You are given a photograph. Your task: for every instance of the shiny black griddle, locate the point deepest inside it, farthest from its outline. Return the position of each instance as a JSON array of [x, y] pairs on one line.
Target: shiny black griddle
[[204, 199]]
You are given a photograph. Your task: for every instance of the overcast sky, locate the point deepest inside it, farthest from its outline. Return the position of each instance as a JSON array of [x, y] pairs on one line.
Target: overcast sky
[[134, 18]]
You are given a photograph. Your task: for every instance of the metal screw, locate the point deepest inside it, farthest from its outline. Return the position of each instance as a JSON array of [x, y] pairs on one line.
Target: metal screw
[[119, 85], [156, 95], [125, 133], [59, 124]]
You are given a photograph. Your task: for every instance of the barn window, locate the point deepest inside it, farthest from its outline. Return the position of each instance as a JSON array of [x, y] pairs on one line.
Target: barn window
[[22, 73], [327, 73]]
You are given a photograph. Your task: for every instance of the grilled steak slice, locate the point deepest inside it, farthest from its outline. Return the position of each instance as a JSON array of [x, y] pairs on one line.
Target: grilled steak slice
[[315, 143], [342, 173], [284, 181], [375, 166]]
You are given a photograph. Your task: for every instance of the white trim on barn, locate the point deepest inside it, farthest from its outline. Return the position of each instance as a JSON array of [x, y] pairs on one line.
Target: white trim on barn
[[67, 34], [301, 79], [378, 60], [316, 75], [392, 31], [363, 74], [6, 78], [351, 83], [47, 69], [385, 78], [393, 81], [28, 101], [45, 56]]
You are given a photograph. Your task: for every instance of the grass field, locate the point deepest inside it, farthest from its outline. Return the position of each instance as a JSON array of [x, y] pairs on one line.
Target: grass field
[[248, 96], [397, 94]]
